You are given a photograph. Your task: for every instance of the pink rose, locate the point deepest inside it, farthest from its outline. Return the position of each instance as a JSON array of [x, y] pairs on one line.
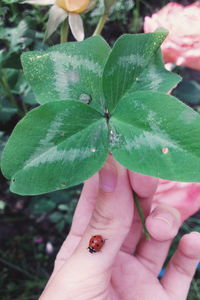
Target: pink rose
[[182, 46], [183, 196]]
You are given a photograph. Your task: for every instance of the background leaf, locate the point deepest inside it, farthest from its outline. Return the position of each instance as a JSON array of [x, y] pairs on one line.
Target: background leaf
[[19, 37], [129, 57], [66, 71], [146, 123], [64, 143], [41, 205], [7, 111], [188, 91]]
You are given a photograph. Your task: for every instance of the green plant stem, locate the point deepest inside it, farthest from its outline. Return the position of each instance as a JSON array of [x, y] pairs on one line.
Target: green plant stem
[[6, 88], [16, 219], [24, 106], [14, 267], [64, 31], [101, 24], [11, 98], [141, 214], [14, 9], [138, 6]]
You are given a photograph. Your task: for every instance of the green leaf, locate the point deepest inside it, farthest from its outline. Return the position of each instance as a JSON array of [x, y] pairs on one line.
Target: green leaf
[[130, 57], [11, 1], [41, 205], [67, 139], [17, 37], [23, 89], [63, 207], [68, 70], [55, 146], [60, 225], [7, 111], [155, 77], [29, 98], [154, 134], [56, 217], [188, 91], [10, 75], [3, 140], [10, 60]]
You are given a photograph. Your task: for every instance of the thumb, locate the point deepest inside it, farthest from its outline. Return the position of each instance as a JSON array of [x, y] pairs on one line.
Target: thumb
[[111, 217]]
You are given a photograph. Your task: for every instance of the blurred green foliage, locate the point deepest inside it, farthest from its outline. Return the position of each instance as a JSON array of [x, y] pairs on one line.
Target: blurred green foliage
[[27, 224]]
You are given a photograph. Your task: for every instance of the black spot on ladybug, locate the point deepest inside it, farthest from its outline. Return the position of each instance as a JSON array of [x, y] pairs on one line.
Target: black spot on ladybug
[[97, 245]]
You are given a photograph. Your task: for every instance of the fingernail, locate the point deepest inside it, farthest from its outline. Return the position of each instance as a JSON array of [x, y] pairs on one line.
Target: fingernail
[[163, 223], [108, 177]]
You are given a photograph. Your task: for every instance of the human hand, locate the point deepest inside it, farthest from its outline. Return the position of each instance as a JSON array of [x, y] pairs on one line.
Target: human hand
[[184, 196], [106, 208]]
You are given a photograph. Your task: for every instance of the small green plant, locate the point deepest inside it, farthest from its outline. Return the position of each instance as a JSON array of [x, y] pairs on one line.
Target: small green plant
[[94, 100]]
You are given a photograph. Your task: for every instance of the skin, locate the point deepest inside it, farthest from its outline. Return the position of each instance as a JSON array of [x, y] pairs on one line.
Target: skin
[[128, 265]]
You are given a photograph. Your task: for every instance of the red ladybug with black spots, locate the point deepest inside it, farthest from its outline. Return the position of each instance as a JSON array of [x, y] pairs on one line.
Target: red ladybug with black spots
[[96, 243]]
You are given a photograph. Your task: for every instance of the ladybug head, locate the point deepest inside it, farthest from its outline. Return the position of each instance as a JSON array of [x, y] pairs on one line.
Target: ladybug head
[[91, 249]]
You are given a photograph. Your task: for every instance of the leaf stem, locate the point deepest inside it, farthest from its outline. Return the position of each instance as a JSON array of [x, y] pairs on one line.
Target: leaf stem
[[103, 19], [138, 6], [17, 268], [141, 214], [6, 88], [24, 106], [64, 31]]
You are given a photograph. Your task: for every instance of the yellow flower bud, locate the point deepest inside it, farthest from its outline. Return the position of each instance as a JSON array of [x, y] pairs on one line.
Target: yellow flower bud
[[73, 6]]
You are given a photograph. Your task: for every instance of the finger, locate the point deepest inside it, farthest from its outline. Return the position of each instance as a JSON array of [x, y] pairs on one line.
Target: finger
[[162, 224], [85, 206], [145, 187], [111, 218], [182, 195], [80, 221], [182, 266]]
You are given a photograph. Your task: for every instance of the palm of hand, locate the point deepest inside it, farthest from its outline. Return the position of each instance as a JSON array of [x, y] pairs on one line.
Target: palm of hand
[[127, 279], [131, 280]]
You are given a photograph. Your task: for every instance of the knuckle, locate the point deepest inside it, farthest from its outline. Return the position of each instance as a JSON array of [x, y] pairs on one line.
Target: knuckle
[[149, 263], [100, 221], [182, 270]]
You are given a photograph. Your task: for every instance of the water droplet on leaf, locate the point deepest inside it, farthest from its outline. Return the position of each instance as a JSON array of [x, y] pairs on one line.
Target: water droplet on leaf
[[85, 98], [165, 150]]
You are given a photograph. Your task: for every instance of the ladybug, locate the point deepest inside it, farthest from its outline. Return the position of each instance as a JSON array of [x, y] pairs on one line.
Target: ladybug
[[96, 243]]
